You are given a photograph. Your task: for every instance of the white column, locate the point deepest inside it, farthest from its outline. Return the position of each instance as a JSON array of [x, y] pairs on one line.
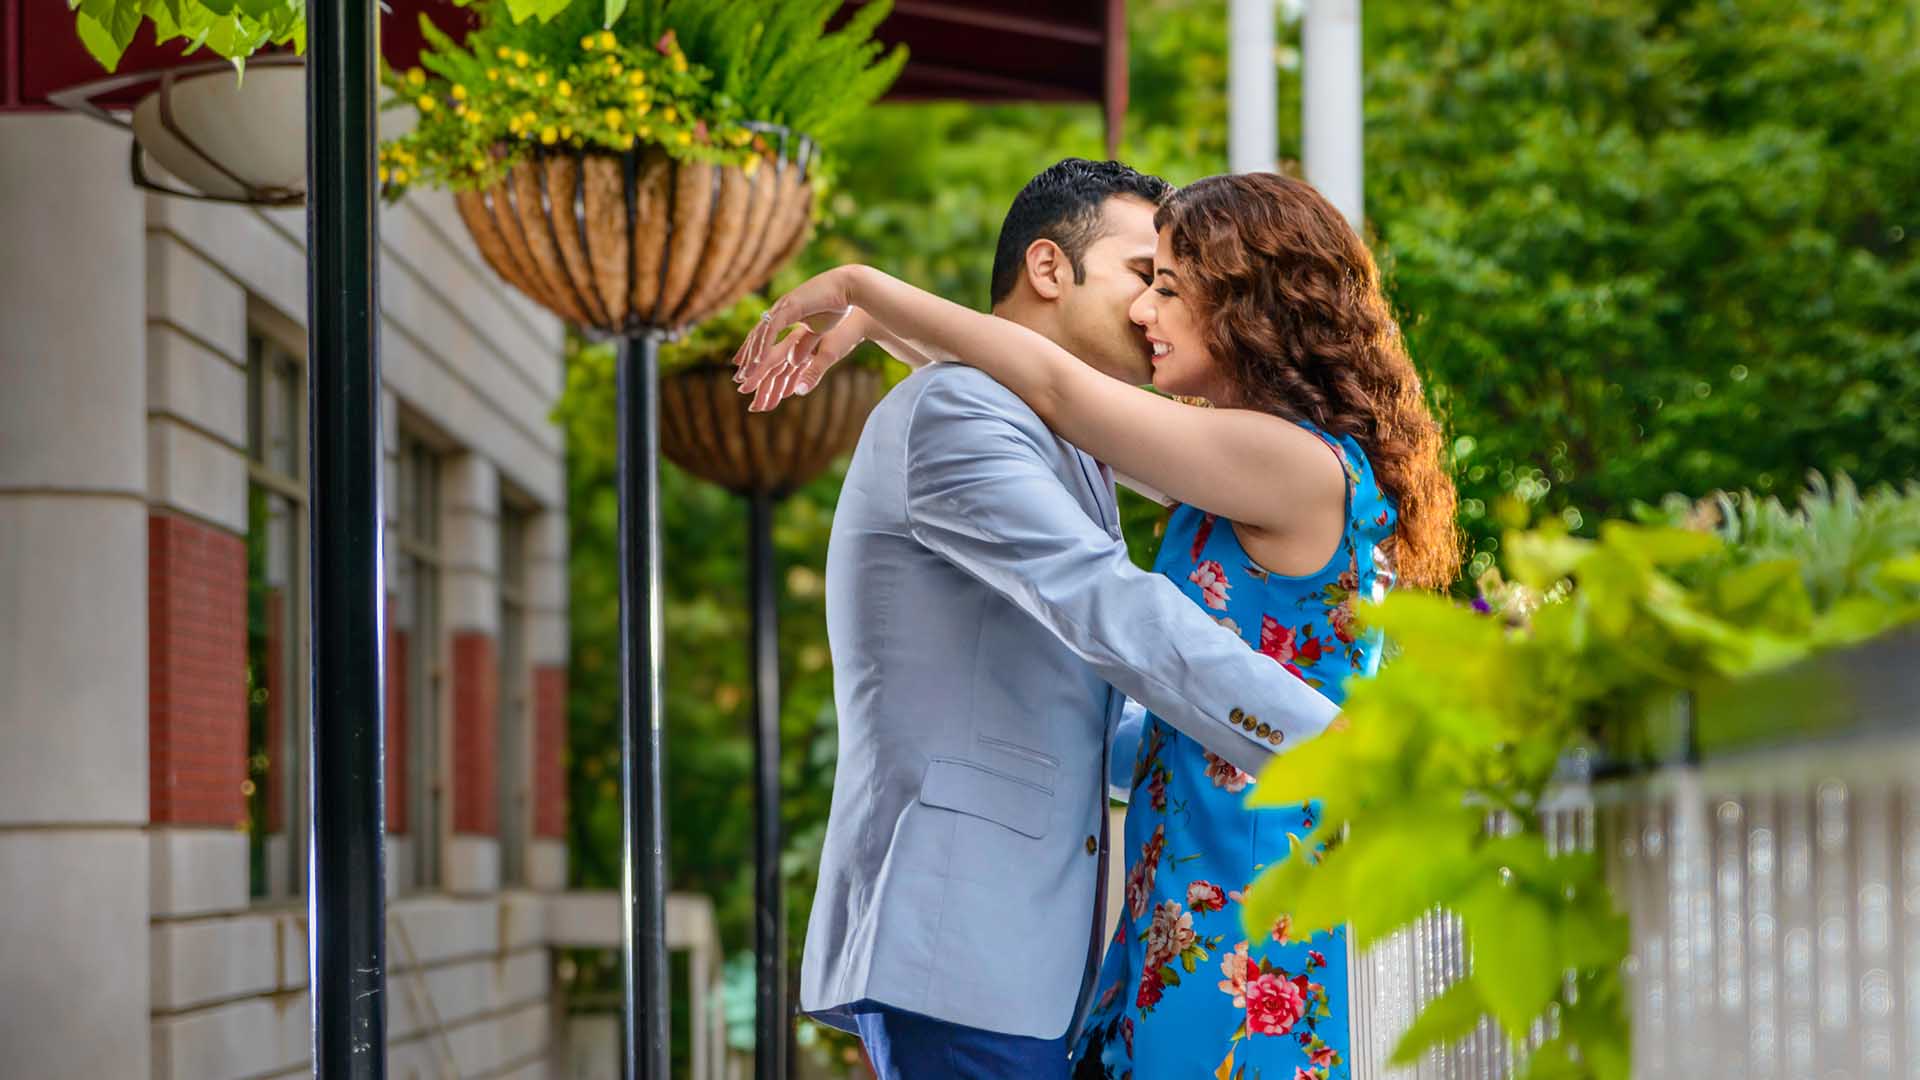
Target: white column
[[1330, 116], [74, 884], [1252, 96]]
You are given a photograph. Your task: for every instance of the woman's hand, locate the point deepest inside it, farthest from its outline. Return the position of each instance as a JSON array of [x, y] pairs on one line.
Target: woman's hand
[[826, 327]]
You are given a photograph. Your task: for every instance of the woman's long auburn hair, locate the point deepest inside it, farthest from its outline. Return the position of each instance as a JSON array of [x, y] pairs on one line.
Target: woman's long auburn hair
[[1288, 301]]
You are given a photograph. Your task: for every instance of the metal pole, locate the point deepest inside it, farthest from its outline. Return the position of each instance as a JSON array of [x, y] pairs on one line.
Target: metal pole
[[1252, 92], [1330, 103], [643, 878], [771, 1026], [347, 887]]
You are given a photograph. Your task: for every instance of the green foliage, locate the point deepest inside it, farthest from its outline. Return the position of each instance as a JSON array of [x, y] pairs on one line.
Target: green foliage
[[1652, 245], [687, 76], [1476, 712], [234, 29]]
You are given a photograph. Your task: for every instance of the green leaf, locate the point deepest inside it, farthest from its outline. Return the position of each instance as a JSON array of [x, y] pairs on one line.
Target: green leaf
[[1314, 895], [99, 42], [1515, 963], [1658, 545], [1451, 1016], [614, 9]]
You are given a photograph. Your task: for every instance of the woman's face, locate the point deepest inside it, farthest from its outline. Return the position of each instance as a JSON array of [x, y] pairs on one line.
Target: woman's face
[[1181, 363]]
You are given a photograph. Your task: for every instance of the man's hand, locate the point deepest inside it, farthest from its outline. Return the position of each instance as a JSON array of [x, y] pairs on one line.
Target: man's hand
[[826, 327]]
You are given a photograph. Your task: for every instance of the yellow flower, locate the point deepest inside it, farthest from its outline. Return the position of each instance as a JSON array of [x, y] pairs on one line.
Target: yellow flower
[[587, 43], [641, 106], [671, 114], [473, 117], [750, 165], [613, 118], [513, 81], [513, 125], [539, 78], [636, 77], [679, 62], [528, 119], [493, 74], [479, 165], [564, 89], [503, 53], [460, 110], [384, 174], [566, 131], [645, 131], [520, 58], [426, 102], [416, 77], [549, 135], [684, 138], [631, 139], [459, 92], [400, 176], [606, 39]]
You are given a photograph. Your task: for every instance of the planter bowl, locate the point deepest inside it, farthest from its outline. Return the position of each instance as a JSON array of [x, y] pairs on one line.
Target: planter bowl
[[626, 243], [705, 428], [242, 140]]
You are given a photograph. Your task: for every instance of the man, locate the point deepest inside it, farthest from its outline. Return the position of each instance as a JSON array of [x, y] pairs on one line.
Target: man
[[986, 627]]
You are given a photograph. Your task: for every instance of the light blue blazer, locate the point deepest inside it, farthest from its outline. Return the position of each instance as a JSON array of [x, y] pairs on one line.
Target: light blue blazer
[[986, 627]]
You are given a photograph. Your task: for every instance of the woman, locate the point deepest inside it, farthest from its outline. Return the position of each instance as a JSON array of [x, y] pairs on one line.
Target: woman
[[1318, 465]]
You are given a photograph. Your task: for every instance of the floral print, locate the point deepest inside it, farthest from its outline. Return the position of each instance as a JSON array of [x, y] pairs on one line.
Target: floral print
[[1183, 990]]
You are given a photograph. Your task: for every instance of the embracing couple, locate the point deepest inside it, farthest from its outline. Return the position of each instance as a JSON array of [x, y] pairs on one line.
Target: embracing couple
[[991, 638]]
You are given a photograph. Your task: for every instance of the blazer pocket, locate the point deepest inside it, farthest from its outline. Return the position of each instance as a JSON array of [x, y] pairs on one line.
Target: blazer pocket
[[967, 788]]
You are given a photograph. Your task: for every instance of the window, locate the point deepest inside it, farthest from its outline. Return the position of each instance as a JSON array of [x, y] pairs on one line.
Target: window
[[418, 566], [516, 740], [276, 619]]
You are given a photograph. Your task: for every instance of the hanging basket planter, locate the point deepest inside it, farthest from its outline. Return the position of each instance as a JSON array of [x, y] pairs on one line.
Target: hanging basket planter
[[705, 428], [221, 137], [624, 243]]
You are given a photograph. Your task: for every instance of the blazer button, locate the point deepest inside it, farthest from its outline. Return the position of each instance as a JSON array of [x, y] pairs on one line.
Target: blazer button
[[1263, 730], [1236, 715], [1092, 845], [1277, 737], [1249, 722]]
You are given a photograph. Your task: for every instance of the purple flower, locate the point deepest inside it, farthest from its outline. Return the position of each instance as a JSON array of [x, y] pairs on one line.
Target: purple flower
[[1480, 605]]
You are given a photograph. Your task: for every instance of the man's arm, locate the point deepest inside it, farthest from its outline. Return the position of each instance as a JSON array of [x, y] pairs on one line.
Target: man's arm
[[980, 493]]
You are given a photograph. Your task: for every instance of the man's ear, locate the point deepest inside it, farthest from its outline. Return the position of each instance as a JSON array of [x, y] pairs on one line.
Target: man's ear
[[1047, 268]]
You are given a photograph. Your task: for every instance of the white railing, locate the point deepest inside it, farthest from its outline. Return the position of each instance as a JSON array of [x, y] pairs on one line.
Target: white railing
[[1772, 880]]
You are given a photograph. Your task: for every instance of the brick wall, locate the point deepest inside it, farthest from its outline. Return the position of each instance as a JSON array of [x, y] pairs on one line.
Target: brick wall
[[549, 749], [476, 734], [396, 724], [197, 672]]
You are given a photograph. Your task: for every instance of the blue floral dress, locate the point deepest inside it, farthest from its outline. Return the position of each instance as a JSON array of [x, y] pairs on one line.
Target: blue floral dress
[[1182, 992]]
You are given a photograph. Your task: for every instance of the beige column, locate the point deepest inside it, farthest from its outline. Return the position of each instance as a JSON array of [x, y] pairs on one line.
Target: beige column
[[74, 881]]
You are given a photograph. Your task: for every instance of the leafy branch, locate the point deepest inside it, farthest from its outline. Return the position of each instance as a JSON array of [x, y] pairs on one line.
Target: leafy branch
[[234, 29], [1481, 704]]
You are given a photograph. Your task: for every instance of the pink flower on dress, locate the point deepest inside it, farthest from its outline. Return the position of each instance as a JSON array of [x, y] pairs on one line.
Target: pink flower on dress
[[1302, 1074], [1140, 875], [1234, 966], [1170, 935], [1106, 999], [1315, 958], [1201, 535], [1151, 987], [1206, 896], [1225, 774], [1157, 790], [1342, 619], [1274, 1005], [1281, 927], [1349, 579], [1126, 1032], [1212, 579], [1323, 1056]]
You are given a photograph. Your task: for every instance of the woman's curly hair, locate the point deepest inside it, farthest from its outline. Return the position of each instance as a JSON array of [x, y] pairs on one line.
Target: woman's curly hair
[[1288, 300]]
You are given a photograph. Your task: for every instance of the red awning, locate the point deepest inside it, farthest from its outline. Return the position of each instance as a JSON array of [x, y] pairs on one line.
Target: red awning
[[985, 50]]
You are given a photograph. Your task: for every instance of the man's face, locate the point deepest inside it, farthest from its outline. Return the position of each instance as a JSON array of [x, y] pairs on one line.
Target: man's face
[[1093, 312]]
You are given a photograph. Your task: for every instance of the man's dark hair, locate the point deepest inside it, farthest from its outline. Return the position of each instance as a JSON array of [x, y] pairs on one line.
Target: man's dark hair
[[1063, 204]]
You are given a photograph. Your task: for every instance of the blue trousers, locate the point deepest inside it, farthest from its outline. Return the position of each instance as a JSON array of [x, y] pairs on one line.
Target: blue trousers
[[909, 1046]]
